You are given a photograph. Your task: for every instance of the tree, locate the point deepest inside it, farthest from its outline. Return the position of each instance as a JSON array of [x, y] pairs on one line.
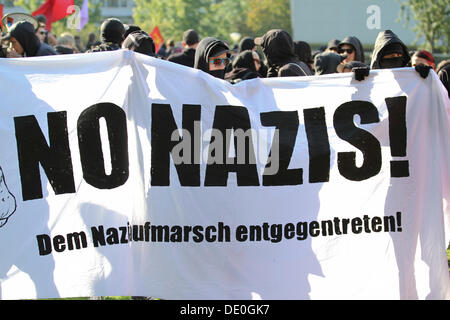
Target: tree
[[173, 17], [264, 15], [432, 18]]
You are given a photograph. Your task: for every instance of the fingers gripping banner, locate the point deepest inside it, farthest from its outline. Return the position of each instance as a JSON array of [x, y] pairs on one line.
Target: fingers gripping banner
[[127, 175]]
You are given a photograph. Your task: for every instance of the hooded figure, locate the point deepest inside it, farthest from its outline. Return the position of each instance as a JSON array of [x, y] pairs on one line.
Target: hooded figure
[[278, 47], [327, 62], [112, 31], [388, 44], [243, 68], [443, 72], [139, 42], [23, 32], [357, 47], [246, 43], [302, 50], [207, 48]]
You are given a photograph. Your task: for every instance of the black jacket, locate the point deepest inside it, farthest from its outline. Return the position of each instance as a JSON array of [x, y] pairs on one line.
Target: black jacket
[[23, 31], [384, 39], [243, 68], [278, 47], [186, 57]]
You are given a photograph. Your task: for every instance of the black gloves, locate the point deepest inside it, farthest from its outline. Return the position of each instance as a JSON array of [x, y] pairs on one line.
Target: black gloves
[[361, 73], [423, 70]]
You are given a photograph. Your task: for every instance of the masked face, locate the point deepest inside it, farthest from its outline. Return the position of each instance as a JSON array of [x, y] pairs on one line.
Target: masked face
[[217, 65], [391, 61]]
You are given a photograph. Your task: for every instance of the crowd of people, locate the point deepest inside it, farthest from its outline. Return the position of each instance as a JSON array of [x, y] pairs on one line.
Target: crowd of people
[[279, 56]]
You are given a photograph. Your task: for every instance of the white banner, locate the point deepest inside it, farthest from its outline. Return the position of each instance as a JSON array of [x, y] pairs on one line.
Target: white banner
[[127, 175]]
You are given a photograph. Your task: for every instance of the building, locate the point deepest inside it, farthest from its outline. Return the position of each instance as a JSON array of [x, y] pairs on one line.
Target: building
[[121, 9], [318, 21]]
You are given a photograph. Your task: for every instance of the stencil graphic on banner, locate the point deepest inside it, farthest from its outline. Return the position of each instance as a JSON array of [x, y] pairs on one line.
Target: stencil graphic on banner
[[8, 203]]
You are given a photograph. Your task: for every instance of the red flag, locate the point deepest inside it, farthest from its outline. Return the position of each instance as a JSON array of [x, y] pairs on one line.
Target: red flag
[[157, 38], [1, 16], [54, 10]]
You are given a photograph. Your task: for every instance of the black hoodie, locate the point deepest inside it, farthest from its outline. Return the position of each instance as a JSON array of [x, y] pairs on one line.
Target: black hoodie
[[24, 33], [243, 67], [384, 39], [209, 47], [356, 44], [278, 47]]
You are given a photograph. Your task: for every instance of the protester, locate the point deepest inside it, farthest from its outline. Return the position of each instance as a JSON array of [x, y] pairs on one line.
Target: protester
[[352, 48], [389, 52], [187, 56], [212, 56], [423, 57], [244, 67], [247, 43], [65, 44], [50, 39], [170, 48], [78, 47], [92, 41], [130, 28], [40, 32], [302, 50], [278, 47], [443, 72], [327, 62], [333, 45], [25, 43], [111, 36], [141, 42]]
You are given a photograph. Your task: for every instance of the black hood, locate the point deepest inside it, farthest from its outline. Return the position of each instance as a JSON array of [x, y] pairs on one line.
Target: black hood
[[355, 43], [244, 60], [208, 47], [246, 44], [24, 32], [278, 47], [112, 30], [302, 50], [384, 39], [140, 42], [327, 62]]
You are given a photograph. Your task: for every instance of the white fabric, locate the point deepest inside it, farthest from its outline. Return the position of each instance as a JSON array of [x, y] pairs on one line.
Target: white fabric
[[406, 263]]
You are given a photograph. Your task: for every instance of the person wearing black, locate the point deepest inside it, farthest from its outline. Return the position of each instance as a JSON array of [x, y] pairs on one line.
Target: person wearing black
[[333, 45], [25, 43], [212, 56], [187, 56], [141, 42], [243, 67], [112, 31], [352, 48], [247, 43], [389, 52], [443, 72], [302, 50], [278, 47], [327, 62]]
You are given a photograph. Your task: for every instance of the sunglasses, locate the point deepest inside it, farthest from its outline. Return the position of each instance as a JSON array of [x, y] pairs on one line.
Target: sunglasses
[[349, 51], [220, 61]]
